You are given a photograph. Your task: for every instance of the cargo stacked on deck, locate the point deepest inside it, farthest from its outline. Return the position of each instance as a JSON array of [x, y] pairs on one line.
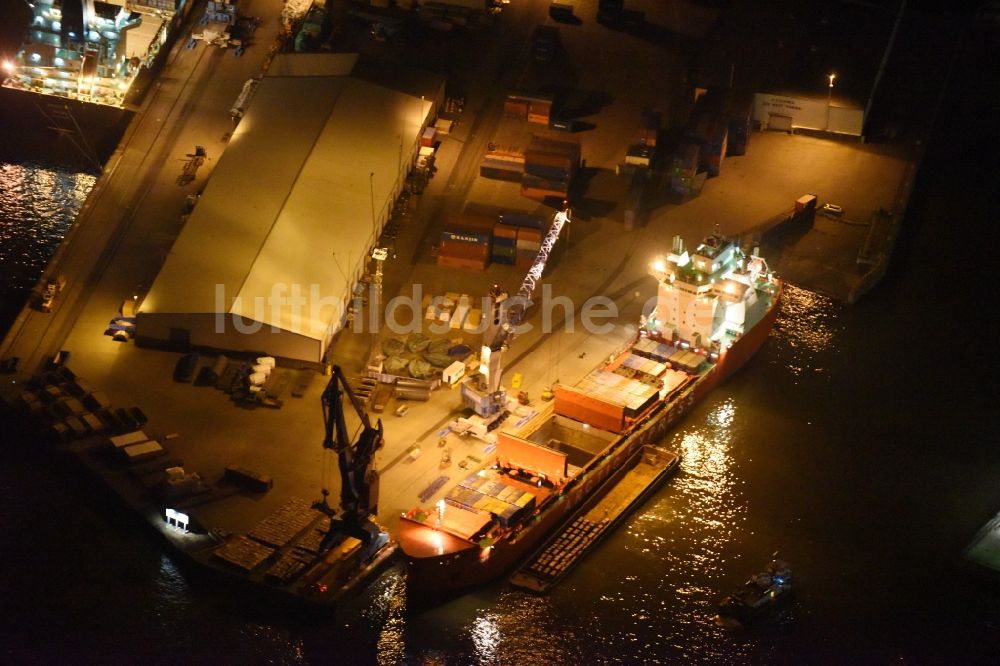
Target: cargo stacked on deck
[[502, 165], [465, 242], [504, 501], [549, 167], [504, 244]]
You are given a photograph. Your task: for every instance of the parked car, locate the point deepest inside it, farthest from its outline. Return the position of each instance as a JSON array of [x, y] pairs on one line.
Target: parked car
[[50, 292], [832, 210]]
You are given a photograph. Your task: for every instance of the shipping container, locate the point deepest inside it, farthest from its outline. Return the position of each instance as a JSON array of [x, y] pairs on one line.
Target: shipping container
[[544, 42], [555, 144], [465, 236], [521, 220], [500, 173], [457, 262], [548, 172], [581, 407], [464, 250], [539, 194], [504, 231], [515, 108], [805, 202], [561, 10]]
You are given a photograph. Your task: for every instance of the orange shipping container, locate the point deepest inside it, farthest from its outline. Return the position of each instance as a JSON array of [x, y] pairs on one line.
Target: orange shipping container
[[538, 195], [515, 109], [587, 409], [456, 262], [469, 222], [464, 250], [505, 231]]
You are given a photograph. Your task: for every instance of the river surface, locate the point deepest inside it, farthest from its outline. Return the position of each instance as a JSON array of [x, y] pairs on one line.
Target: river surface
[[861, 442]]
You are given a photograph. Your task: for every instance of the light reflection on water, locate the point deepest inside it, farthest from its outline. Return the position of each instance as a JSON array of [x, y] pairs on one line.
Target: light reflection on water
[[37, 207], [808, 329]]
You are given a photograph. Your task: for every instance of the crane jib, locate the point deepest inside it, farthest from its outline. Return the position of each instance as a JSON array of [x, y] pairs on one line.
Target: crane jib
[[521, 302]]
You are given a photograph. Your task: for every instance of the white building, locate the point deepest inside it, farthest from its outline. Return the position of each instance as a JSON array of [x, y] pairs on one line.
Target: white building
[[285, 226]]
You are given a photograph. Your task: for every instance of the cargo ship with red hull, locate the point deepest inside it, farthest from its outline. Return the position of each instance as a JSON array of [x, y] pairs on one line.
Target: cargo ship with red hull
[[716, 306]]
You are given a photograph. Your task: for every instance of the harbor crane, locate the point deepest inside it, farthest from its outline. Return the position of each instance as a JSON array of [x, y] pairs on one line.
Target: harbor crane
[[483, 393], [358, 477]]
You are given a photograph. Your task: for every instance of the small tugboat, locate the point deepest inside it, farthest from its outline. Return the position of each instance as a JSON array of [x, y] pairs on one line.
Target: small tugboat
[[761, 592]]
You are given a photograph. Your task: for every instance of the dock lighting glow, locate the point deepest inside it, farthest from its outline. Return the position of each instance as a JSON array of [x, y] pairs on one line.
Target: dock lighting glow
[[440, 511], [8, 66], [177, 519], [660, 266]]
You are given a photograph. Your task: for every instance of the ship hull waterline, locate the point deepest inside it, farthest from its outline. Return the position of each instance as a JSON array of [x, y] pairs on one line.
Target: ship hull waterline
[[463, 566]]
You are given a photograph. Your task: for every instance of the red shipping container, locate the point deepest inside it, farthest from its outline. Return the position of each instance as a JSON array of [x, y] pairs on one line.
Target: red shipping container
[[456, 262], [505, 231], [429, 137]]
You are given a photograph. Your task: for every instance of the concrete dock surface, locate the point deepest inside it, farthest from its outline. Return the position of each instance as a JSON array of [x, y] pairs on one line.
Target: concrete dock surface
[[134, 213]]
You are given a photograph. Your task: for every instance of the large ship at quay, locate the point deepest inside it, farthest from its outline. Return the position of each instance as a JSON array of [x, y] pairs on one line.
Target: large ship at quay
[[80, 71], [715, 307]]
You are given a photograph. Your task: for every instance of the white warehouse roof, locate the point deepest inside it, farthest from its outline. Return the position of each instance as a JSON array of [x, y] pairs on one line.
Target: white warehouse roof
[[296, 201]]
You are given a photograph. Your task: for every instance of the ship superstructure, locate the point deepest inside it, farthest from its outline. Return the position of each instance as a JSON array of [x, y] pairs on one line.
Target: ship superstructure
[[706, 298], [89, 50]]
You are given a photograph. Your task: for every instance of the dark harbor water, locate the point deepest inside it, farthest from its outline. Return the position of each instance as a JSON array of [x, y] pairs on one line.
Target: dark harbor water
[[861, 442]]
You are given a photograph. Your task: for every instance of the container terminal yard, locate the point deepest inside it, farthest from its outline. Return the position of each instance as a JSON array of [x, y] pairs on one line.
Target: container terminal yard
[[145, 245]]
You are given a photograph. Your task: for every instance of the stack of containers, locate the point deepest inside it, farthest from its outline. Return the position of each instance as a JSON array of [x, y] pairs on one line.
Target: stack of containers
[[715, 142], [529, 241], [739, 109], [549, 167], [502, 165], [540, 110], [465, 242], [515, 106], [684, 167], [531, 107], [504, 244], [521, 220], [710, 129]]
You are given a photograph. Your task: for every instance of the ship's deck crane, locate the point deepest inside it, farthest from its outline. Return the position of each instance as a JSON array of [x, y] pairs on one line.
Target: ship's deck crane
[[358, 478], [483, 393]]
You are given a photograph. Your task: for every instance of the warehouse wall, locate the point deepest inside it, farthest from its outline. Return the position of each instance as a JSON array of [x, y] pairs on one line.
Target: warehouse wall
[[210, 331]]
